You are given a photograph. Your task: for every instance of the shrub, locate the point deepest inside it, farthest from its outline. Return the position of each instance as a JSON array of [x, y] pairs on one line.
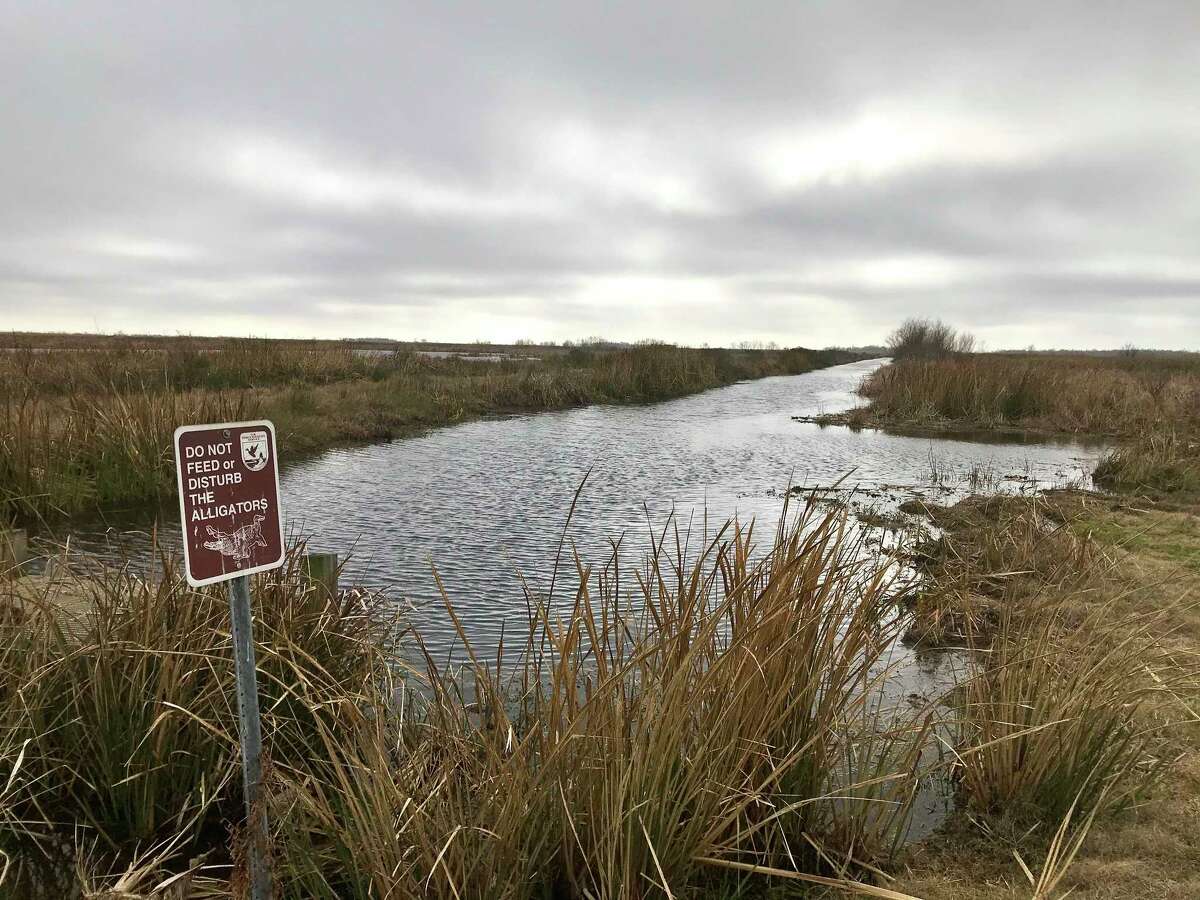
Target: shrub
[[927, 339]]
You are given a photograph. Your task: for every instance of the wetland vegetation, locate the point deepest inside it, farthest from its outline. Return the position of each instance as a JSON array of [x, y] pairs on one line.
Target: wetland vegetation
[[86, 428], [1148, 401], [720, 722], [702, 720]]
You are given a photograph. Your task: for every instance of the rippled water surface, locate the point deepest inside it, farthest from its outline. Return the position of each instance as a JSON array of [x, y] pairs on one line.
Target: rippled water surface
[[487, 499]]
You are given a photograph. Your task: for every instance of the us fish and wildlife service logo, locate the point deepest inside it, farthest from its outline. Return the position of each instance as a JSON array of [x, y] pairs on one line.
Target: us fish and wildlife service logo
[[254, 450]]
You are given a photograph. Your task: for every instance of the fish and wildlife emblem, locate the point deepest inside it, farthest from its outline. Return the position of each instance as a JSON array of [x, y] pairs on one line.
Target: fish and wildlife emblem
[[254, 450]]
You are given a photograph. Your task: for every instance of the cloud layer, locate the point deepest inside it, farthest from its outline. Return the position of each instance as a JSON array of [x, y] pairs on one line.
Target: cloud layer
[[804, 173]]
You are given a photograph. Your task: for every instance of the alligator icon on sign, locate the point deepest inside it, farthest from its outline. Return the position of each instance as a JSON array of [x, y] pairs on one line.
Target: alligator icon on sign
[[254, 450], [239, 544]]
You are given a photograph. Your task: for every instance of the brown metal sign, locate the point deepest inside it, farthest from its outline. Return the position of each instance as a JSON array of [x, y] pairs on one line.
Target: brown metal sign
[[228, 500]]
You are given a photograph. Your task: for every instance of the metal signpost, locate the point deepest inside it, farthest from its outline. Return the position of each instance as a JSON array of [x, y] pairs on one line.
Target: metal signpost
[[233, 527]]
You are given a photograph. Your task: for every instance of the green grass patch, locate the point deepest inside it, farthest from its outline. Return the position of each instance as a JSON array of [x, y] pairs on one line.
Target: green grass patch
[[1166, 536]]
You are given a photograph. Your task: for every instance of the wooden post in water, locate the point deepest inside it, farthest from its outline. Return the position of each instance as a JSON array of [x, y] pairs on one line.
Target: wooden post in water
[[250, 730], [14, 547], [322, 569]]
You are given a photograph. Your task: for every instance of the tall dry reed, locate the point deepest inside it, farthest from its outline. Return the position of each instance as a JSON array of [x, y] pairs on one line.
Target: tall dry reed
[[115, 699], [1166, 461], [1063, 713], [639, 744]]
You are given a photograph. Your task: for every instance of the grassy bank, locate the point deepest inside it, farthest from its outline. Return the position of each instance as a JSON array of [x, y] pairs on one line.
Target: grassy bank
[[91, 430], [1077, 736], [1108, 395], [1162, 464], [714, 734]]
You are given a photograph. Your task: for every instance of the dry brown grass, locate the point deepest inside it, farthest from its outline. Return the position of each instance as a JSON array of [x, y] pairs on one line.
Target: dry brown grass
[[993, 551], [116, 718], [641, 747], [1159, 463], [1061, 393], [630, 745]]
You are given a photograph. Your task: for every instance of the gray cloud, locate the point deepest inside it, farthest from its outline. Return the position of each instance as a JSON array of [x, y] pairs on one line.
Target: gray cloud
[[806, 173]]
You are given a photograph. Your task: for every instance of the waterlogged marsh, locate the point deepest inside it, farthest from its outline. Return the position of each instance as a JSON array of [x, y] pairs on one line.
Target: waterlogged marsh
[[488, 499], [485, 500]]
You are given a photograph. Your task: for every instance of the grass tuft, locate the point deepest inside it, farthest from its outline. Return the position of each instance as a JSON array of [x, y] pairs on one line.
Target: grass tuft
[[1163, 462], [1062, 713]]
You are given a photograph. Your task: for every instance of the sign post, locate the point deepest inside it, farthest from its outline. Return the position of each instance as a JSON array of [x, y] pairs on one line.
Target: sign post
[[228, 479]]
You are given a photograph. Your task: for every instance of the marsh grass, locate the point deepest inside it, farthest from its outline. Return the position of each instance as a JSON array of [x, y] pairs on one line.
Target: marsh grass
[[690, 725], [91, 430], [1072, 736], [1064, 846], [992, 554], [1062, 393], [120, 705], [1065, 708], [720, 716], [1163, 462], [652, 732], [90, 453], [1063, 713]]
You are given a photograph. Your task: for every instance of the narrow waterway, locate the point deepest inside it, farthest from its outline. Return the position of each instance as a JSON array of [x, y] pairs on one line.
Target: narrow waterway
[[487, 499]]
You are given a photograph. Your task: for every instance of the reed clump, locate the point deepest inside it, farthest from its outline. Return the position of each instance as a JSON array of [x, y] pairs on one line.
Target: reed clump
[[1162, 462], [118, 701], [87, 430], [636, 746], [1064, 713], [1150, 402], [1076, 705], [645, 736], [89, 453], [1069, 688]]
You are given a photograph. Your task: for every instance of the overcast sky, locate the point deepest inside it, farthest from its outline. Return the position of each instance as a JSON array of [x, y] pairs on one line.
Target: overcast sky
[[807, 173]]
